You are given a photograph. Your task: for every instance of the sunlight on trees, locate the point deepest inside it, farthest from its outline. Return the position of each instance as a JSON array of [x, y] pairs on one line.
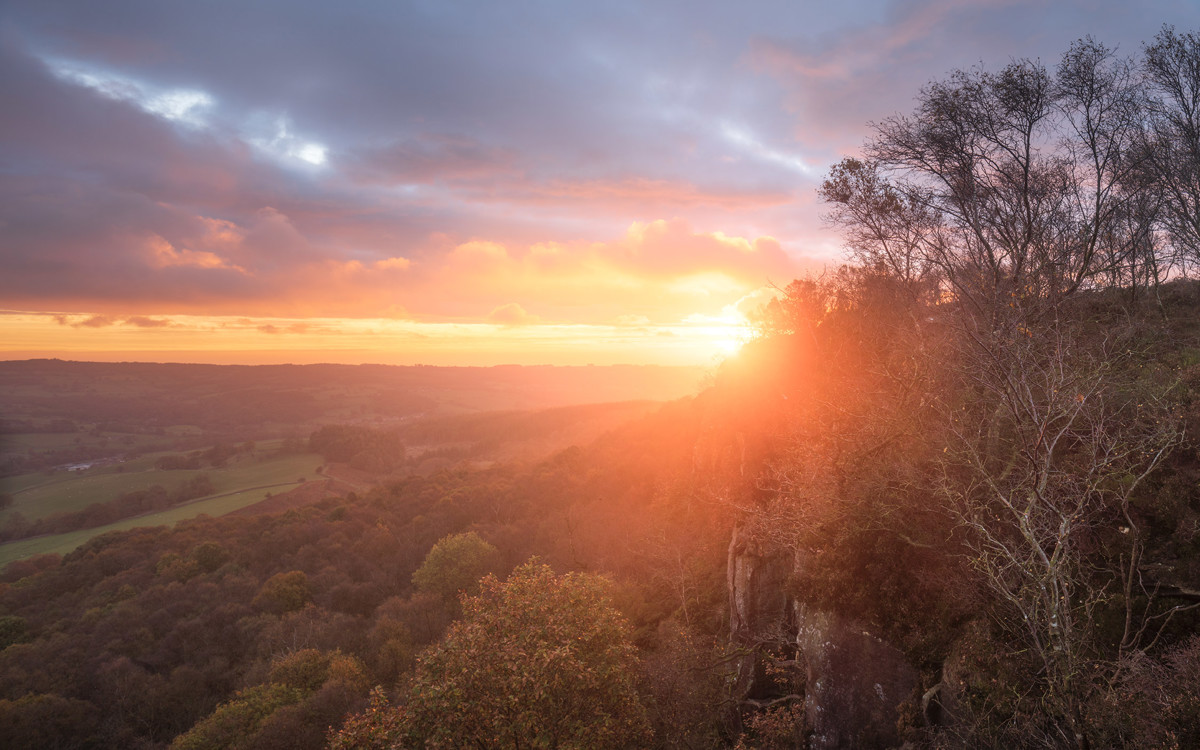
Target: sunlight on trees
[[538, 661], [455, 565], [305, 691]]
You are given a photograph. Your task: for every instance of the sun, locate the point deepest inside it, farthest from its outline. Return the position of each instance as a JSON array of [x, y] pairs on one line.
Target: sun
[[729, 346]]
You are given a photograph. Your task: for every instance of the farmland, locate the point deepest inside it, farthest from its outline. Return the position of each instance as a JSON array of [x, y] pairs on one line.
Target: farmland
[[245, 481]]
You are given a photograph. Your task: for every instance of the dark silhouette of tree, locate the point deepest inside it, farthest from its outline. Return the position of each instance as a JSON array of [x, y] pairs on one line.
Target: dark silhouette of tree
[[1172, 71]]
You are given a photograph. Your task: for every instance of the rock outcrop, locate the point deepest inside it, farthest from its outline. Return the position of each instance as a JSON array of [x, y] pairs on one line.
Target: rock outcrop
[[760, 616], [855, 683]]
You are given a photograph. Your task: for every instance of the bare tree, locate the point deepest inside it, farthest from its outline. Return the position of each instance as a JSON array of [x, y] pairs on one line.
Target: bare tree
[[882, 226], [1045, 457], [1172, 69], [1020, 193]]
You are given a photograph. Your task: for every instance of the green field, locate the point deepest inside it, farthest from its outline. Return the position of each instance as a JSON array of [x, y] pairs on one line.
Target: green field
[[39, 495], [242, 483], [49, 441]]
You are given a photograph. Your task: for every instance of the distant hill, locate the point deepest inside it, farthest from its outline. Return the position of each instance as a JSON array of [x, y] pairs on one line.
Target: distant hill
[[142, 396]]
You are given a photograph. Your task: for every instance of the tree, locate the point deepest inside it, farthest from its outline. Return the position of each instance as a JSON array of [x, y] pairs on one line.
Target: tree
[[305, 692], [284, 592], [455, 564], [1004, 183], [13, 629], [47, 720], [1173, 73], [233, 723], [1023, 196], [1041, 469], [538, 661], [380, 727]]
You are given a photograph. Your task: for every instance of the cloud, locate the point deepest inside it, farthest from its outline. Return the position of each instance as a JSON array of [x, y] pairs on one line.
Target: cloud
[[424, 161], [163, 255], [479, 252], [643, 194], [425, 158], [751, 306], [511, 314], [297, 328], [655, 272], [839, 79], [142, 321], [186, 106], [280, 142], [392, 264], [86, 321], [672, 247]]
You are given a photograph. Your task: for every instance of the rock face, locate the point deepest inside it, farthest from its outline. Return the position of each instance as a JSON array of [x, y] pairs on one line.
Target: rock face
[[855, 683], [761, 612]]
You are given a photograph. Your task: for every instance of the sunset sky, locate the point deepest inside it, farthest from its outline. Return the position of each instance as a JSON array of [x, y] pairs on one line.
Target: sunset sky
[[449, 182]]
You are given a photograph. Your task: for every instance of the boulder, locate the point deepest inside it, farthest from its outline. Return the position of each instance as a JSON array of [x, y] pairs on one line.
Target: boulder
[[855, 683]]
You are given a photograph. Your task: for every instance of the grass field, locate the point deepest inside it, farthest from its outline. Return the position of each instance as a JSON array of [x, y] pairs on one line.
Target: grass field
[[47, 441], [39, 495], [243, 483]]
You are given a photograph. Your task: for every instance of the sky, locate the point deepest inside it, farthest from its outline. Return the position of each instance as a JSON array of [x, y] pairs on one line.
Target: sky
[[443, 182]]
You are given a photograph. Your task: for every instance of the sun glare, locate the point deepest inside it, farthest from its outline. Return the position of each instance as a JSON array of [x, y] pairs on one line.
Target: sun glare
[[729, 347]]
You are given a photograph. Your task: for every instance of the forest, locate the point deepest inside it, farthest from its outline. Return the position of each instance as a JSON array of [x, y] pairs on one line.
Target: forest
[[99, 409], [947, 497]]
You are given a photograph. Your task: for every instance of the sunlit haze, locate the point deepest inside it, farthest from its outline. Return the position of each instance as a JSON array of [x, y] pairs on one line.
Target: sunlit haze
[[450, 183]]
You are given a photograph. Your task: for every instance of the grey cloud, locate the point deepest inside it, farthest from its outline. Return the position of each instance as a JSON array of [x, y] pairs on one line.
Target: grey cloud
[[521, 122]]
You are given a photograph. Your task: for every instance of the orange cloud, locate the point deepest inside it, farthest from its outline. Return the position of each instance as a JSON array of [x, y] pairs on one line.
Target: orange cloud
[[164, 255], [393, 264], [141, 321], [655, 272], [479, 251], [246, 340], [511, 314]]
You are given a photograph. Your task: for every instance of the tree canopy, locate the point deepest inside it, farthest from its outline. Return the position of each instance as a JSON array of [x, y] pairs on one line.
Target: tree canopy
[[455, 564], [538, 661]]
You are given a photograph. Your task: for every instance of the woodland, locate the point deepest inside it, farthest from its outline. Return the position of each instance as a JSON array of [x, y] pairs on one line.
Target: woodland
[[947, 497]]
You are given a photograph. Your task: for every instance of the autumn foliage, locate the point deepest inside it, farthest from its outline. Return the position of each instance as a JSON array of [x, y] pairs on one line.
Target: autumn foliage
[[538, 661]]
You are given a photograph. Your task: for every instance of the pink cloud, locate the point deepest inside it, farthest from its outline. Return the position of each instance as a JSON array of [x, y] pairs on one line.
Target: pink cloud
[[619, 195], [163, 254]]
